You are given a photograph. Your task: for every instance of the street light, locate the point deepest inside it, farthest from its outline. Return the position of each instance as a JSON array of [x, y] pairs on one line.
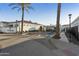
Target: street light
[[70, 20], [16, 26], [70, 24]]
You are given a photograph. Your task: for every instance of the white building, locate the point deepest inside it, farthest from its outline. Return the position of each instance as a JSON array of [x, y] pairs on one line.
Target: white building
[[50, 27], [13, 27], [75, 23], [7, 27], [64, 27], [75, 28]]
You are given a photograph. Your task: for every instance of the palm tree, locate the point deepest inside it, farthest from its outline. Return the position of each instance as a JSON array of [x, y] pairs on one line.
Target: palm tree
[[57, 36], [22, 7]]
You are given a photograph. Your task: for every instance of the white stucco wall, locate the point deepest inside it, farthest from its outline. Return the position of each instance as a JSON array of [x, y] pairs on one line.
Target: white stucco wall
[[29, 26], [26, 27], [8, 30], [75, 23]]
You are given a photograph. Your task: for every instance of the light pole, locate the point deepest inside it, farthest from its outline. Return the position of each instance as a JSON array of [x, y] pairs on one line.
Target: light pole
[[16, 25], [70, 24], [70, 20]]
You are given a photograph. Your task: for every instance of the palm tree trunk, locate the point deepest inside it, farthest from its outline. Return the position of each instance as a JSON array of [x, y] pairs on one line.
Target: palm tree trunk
[[22, 18], [57, 36]]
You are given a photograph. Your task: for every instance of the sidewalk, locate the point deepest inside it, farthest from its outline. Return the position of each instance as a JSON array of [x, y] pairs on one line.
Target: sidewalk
[[64, 48], [17, 39], [6, 36], [63, 37]]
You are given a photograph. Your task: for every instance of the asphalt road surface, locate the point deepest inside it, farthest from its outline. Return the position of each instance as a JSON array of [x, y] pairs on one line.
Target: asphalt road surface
[[39, 47]]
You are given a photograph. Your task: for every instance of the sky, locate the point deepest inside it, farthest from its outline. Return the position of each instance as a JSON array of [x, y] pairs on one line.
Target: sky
[[43, 13]]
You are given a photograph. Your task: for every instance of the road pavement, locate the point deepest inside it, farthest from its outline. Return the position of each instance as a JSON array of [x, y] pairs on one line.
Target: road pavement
[[28, 48], [41, 47]]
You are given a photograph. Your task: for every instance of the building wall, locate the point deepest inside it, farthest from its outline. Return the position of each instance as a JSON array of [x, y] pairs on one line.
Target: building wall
[[64, 27], [28, 26], [16, 27], [75, 23], [8, 30], [75, 28]]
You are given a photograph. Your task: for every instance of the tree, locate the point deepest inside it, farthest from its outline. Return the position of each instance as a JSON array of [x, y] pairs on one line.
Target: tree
[[22, 7], [57, 36]]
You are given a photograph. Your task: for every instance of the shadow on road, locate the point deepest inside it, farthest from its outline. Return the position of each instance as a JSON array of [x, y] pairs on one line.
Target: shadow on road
[[47, 43], [30, 47]]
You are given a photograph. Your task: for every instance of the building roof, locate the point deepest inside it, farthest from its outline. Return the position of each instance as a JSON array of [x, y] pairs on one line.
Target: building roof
[[20, 21], [30, 22]]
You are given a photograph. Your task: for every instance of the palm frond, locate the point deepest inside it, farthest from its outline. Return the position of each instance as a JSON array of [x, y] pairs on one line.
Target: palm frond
[[19, 9], [11, 4], [30, 7], [15, 4], [19, 6], [15, 7], [26, 10]]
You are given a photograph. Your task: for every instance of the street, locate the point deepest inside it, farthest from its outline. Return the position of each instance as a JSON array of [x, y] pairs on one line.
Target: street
[[30, 47], [41, 45]]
